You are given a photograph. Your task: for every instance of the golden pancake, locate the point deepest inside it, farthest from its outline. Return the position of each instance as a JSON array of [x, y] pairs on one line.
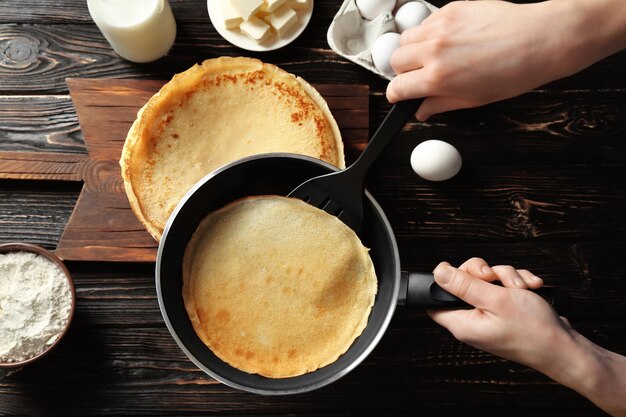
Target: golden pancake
[[211, 115], [276, 287]]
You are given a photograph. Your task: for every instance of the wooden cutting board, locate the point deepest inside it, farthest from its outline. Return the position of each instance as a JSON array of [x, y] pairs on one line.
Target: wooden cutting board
[[102, 226]]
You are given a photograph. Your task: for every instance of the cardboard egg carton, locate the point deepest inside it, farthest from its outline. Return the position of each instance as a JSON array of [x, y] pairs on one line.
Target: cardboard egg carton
[[352, 36]]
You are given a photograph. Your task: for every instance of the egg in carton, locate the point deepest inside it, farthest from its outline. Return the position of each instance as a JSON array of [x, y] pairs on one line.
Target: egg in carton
[[352, 36]]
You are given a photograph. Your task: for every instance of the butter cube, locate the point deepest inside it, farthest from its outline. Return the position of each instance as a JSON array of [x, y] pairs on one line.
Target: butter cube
[[271, 5], [299, 4], [247, 8], [282, 19], [261, 14], [232, 18], [256, 29]]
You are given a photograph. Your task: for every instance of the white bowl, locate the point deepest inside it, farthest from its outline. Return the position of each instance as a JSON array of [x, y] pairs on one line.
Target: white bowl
[[40, 251], [237, 38]]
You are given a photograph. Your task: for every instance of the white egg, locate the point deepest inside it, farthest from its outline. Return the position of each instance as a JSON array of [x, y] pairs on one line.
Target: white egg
[[436, 160], [382, 49], [410, 14], [369, 9]]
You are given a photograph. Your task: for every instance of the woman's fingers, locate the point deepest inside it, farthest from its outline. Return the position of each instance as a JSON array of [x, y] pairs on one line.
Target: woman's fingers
[[479, 268], [506, 274], [472, 290], [566, 322], [436, 105], [532, 280], [517, 278], [509, 277], [407, 58], [406, 86], [458, 322], [414, 34]]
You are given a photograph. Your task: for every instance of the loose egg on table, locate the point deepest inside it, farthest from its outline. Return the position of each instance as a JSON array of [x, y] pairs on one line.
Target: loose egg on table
[[436, 160], [370, 9], [410, 14], [381, 52]]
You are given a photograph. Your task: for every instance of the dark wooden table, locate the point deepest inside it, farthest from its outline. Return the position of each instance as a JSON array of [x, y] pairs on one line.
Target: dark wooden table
[[542, 187]]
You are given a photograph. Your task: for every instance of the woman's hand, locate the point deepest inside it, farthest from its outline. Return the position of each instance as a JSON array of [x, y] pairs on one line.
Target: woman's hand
[[508, 321], [519, 325], [468, 54]]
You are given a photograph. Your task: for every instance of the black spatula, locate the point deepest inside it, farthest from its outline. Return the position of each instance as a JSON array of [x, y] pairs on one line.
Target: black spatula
[[341, 193]]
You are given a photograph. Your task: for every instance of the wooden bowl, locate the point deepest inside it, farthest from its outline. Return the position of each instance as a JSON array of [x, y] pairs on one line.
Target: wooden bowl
[[26, 247]]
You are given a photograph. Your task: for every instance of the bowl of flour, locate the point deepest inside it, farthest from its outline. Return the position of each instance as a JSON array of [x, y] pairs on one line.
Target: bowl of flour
[[37, 302]]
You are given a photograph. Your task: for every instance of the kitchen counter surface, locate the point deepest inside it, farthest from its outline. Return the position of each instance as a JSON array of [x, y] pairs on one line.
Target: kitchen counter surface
[[542, 188]]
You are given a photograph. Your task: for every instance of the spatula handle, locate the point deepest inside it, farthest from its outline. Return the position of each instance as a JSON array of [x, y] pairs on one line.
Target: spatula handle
[[398, 116]]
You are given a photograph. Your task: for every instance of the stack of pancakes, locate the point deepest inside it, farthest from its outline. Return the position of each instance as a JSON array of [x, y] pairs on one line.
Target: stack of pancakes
[[211, 115], [277, 287]]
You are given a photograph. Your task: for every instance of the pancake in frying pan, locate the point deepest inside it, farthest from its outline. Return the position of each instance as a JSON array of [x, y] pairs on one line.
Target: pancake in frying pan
[[214, 114], [277, 287]]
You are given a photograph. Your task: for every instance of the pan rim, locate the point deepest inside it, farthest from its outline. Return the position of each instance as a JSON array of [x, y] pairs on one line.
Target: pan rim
[[313, 386]]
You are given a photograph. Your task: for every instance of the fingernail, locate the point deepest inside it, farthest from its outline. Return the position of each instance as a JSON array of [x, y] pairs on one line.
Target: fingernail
[[485, 269], [535, 278], [443, 274], [518, 282]]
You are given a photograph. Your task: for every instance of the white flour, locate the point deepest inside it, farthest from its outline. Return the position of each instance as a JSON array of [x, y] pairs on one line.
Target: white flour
[[35, 305]]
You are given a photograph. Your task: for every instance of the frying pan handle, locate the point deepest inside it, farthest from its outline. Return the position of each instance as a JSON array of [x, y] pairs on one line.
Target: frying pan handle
[[420, 290]]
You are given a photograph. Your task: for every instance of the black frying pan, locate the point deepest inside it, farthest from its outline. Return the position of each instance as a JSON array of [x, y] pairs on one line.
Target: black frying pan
[[279, 174]]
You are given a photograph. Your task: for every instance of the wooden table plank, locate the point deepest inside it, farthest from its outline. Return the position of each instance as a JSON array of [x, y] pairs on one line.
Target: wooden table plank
[[42, 166], [540, 202], [38, 58], [499, 202], [39, 123], [44, 56], [35, 212], [541, 188], [134, 371], [543, 127]]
